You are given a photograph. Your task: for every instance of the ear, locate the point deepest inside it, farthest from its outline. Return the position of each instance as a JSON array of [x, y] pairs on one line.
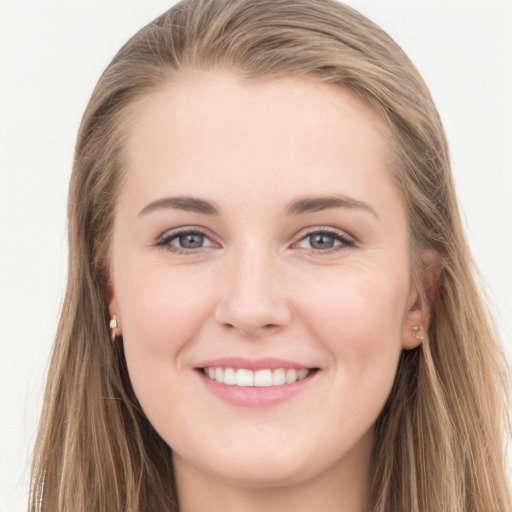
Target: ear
[[421, 297], [102, 261], [415, 324], [113, 306]]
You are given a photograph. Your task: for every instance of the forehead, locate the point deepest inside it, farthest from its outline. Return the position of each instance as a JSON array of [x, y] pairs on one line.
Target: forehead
[[221, 130], [218, 96]]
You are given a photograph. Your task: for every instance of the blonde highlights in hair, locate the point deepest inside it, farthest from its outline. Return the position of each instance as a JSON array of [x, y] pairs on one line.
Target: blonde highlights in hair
[[439, 440]]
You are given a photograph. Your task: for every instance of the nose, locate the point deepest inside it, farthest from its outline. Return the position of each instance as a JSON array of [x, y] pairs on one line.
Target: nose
[[254, 298]]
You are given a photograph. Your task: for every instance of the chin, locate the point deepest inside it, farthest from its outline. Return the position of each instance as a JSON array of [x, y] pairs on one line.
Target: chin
[[261, 473], [253, 466]]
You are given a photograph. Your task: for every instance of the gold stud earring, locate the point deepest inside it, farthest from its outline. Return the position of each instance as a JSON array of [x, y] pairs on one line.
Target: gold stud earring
[[415, 330], [113, 326]]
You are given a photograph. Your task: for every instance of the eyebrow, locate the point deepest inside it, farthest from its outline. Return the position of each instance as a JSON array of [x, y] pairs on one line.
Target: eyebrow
[[300, 206], [188, 204], [305, 205]]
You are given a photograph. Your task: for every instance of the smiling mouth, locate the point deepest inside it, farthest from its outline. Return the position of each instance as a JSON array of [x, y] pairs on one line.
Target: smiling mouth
[[243, 377]]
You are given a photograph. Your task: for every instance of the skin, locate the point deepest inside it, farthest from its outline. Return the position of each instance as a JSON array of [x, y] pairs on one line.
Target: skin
[[258, 288]]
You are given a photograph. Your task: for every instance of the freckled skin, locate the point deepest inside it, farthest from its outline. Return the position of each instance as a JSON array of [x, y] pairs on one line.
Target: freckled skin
[[256, 288]]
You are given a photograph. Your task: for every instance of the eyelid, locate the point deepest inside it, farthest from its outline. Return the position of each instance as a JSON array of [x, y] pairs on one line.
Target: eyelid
[[164, 239], [346, 240], [336, 232]]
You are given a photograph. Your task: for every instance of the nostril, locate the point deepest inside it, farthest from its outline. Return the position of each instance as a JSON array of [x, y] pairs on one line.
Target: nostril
[[266, 326]]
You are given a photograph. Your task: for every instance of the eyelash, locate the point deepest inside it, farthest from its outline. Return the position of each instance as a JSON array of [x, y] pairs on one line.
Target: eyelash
[[166, 239], [338, 236], [346, 241]]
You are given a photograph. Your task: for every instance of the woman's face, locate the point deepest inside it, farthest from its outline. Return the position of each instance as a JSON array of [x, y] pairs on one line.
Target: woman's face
[[260, 276]]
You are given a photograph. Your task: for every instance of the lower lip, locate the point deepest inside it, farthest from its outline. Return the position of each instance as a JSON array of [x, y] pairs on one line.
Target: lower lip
[[252, 396]]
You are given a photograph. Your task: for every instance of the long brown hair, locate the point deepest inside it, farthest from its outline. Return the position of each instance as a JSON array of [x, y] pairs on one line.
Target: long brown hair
[[439, 440]]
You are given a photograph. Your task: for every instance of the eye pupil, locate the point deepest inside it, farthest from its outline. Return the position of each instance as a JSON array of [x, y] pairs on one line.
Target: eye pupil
[[321, 241], [191, 241]]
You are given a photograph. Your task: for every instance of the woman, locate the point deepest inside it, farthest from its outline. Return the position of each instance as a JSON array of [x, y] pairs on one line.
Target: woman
[[270, 298]]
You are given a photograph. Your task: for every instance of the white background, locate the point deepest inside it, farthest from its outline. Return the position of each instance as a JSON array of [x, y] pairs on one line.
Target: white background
[[51, 55]]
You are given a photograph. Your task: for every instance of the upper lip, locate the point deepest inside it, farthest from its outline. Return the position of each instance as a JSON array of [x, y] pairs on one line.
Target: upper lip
[[271, 363]]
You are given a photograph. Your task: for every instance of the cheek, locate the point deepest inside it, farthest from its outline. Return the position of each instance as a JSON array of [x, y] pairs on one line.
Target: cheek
[[160, 311], [359, 323], [364, 309]]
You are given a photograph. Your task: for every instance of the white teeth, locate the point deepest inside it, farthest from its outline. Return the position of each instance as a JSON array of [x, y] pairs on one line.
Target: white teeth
[[260, 378], [291, 376], [229, 377], [244, 377], [278, 377], [301, 374], [263, 378]]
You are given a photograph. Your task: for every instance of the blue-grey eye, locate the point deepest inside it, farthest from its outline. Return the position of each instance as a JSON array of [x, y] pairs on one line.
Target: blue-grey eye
[[185, 241], [190, 241], [324, 241], [321, 241]]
